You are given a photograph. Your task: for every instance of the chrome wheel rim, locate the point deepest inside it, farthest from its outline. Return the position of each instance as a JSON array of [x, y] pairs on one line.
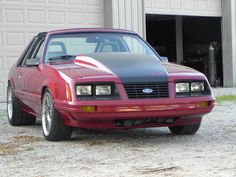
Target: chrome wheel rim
[[47, 114], [9, 104]]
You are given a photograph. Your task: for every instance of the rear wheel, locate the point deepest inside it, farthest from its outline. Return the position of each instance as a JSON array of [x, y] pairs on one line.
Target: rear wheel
[[53, 126], [185, 130], [14, 110]]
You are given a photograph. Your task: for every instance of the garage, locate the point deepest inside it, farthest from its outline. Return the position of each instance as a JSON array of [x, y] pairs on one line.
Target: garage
[[179, 32], [20, 20], [199, 35]]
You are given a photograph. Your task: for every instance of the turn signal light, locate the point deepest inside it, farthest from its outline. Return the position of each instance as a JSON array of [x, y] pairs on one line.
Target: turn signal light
[[88, 108], [68, 93], [204, 104]]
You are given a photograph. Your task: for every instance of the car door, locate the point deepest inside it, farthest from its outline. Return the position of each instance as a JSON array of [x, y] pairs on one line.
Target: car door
[[30, 78]]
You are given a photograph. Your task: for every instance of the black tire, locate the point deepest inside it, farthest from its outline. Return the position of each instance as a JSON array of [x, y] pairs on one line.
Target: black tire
[[185, 130], [14, 111], [28, 119], [17, 117], [53, 129]]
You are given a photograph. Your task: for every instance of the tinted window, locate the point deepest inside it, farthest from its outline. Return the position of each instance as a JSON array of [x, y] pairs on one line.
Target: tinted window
[[35, 49], [39, 51]]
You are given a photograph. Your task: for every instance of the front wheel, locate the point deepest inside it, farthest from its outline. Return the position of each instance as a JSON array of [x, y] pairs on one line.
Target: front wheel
[[185, 130], [53, 126]]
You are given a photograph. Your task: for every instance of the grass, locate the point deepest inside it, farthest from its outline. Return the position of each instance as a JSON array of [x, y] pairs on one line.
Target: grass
[[12, 148], [7, 149], [224, 98], [24, 139], [29, 149], [94, 142]]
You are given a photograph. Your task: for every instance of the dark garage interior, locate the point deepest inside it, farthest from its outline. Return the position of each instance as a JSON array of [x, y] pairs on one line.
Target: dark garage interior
[[199, 36]]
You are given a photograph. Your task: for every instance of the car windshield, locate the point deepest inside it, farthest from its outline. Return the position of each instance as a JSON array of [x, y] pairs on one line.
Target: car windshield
[[68, 46]]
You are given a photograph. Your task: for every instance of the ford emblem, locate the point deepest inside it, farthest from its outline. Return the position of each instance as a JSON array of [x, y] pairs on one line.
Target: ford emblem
[[147, 90]]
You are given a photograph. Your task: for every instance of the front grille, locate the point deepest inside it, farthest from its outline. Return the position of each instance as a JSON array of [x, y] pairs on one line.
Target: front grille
[[136, 90]]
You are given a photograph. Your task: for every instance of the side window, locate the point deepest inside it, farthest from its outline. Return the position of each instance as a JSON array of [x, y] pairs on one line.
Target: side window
[[39, 51], [34, 53]]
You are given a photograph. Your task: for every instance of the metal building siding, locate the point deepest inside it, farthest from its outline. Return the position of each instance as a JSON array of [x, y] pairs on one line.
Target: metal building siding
[[21, 19], [125, 14], [184, 7]]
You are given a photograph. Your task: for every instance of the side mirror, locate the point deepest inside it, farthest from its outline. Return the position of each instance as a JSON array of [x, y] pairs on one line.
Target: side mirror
[[32, 62], [164, 59]]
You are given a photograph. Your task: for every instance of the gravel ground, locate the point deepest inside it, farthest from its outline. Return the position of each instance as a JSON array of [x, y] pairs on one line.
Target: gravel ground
[[140, 152]]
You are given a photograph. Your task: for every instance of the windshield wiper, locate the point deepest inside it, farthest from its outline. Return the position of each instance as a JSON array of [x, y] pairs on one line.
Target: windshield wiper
[[63, 57]]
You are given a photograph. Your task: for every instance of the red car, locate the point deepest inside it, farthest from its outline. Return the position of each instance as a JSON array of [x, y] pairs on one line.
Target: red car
[[103, 79]]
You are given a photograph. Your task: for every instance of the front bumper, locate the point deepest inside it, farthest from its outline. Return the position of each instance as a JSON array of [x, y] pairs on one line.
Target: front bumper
[[183, 110]]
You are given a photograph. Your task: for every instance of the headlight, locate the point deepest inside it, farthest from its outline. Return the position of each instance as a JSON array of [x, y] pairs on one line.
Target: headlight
[[182, 87], [197, 86], [84, 90], [103, 90]]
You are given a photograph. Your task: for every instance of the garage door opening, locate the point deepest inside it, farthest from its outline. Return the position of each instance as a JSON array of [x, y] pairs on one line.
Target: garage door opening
[[161, 35], [190, 41]]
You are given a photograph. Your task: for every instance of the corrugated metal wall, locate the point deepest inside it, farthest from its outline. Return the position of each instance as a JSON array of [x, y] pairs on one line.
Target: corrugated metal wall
[[125, 14]]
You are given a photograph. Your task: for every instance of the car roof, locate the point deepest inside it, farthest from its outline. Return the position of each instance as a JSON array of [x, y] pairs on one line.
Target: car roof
[[74, 30]]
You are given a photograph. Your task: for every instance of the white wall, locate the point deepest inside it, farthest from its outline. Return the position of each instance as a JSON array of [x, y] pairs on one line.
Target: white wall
[[184, 7], [21, 19]]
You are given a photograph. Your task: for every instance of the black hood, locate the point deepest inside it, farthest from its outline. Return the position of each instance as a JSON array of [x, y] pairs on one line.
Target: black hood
[[132, 67]]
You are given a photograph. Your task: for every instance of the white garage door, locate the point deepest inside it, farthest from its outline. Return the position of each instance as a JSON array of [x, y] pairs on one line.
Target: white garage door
[[21, 19], [184, 7]]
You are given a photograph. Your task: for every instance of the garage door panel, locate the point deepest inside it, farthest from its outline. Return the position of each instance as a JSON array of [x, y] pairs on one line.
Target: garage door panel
[[61, 5], [4, 69], [189, 4], [15, 1], [1, 64], [36, 2], [1, 15], [56, 17], [75, 17], [1, 39], [15, 39], [56, 1], [214, 5], [14, 16], [2, 90], [79, 2], [94, 18], [7, 59], [175, 4], [36, 16], [184, 7], [20, 20]]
